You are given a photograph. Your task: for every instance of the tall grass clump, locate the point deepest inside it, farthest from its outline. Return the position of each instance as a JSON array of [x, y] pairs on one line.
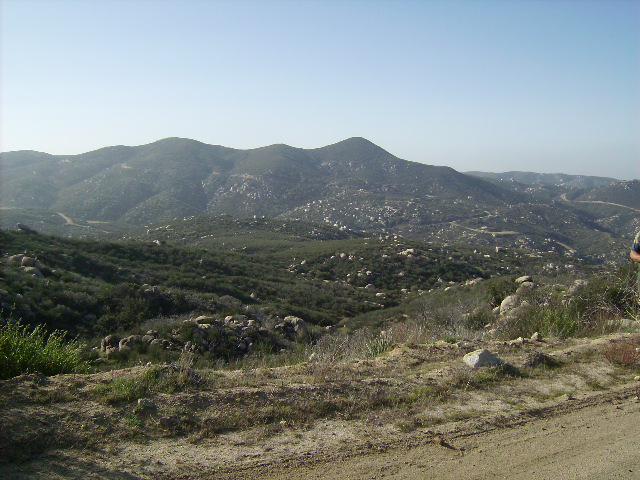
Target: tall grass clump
[[173, 378], [594, 308], [25, 350], [359, 345]]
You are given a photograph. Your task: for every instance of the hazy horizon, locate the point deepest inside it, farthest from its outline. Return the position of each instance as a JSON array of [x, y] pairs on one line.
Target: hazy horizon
[[537, 86], [463, 171]]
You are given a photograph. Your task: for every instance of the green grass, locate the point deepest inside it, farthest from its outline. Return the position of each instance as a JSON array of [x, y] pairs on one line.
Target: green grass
[[23, 350], [154, 380]]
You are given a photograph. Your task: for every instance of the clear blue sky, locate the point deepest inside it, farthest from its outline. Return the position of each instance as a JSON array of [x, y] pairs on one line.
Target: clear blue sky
[[547, 86]]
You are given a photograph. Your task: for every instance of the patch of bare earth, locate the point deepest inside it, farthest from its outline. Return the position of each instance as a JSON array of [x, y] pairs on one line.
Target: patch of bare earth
[[563, 409]]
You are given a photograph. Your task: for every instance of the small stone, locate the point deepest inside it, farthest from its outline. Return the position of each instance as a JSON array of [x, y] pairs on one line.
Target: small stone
[[146, 404], [637, 378], [536, 337]]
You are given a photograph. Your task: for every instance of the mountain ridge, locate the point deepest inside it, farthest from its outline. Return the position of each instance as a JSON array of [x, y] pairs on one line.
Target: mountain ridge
[[352, 184], [199, 178]]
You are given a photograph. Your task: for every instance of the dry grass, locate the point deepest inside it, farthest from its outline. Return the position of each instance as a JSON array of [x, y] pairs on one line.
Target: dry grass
[[408, 388], [623, 353]]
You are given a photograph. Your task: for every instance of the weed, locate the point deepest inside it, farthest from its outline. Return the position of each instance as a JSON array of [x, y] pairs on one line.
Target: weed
[[378, 345], [133, 420], [623, 353], [28, 351], [424, 394], [595, 385], [153, 380]]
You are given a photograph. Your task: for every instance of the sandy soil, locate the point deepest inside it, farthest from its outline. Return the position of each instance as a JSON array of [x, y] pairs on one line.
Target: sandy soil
[[599, 441]]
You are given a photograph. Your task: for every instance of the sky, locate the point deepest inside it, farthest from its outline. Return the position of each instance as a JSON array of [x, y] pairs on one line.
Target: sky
[[491, 85]]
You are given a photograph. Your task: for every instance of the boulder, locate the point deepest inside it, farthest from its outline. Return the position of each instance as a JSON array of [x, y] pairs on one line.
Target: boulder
[[16, 258], [129, 342], [524, 278], [110, 341], [204, 319], [28, 262], [518, 342], [536, 337], [481, 358], [525, 287], [508, 304], [33, 271], [299, 325]]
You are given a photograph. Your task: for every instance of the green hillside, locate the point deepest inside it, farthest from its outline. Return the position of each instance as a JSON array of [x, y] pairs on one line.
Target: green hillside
[[352, 185], [96, 287]]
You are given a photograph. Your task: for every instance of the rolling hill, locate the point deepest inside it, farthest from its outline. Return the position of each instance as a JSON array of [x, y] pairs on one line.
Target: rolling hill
[[351, 185]]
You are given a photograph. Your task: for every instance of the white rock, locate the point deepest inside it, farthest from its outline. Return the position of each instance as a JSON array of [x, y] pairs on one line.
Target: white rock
[[508, 303], [481, 358], [525, 278], [518, 342], [144, 403]]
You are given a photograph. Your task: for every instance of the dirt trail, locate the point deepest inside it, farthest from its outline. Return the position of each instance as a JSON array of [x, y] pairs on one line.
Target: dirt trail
[[564, 197], [488, 232], [69, 220], [600, 441]]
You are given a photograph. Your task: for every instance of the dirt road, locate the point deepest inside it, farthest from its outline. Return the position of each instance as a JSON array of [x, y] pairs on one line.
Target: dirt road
[[601, 441]]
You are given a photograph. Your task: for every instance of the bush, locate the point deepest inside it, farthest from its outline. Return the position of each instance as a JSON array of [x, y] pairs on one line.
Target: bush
[[25, 351], [170, 379], [594, 308], [623, 353], [498, 289]]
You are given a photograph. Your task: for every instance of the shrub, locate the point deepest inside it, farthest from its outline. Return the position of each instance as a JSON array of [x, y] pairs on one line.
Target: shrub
[[169, 379], [29, 351], [623, 353], [498, 289]]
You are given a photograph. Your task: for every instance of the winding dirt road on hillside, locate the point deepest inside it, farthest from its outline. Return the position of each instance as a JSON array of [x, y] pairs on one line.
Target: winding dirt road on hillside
[[564, 197]]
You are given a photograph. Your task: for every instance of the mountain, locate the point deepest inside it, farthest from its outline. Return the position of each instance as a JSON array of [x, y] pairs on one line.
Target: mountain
[[178, 177], [548, 179], [351, 185]]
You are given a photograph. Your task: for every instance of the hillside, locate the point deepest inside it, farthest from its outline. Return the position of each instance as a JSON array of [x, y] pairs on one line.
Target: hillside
[[352, 185], [97, 287], [549, 179], [179, 177], [616, 207]]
